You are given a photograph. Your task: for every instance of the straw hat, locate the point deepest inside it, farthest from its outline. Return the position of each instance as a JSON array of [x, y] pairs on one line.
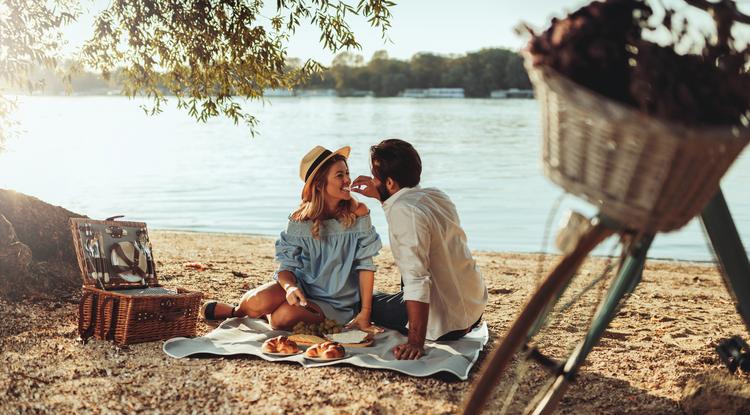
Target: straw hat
[[312, 162]]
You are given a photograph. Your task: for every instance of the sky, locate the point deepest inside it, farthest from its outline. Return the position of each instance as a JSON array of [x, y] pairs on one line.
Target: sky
[[437, 26]]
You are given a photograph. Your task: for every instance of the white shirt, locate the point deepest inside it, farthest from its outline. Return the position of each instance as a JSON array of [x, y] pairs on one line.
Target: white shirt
[[430, 250]]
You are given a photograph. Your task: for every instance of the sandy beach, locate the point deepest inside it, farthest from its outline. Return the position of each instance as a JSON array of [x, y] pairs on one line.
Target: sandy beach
[[653, 359]]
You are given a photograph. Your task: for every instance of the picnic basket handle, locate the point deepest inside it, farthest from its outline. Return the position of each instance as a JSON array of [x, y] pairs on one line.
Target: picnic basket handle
[[109, 333], [87, 332]]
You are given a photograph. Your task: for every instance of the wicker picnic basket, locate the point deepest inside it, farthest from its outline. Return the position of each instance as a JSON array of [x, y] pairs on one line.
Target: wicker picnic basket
[[122, 299], [645, 173]]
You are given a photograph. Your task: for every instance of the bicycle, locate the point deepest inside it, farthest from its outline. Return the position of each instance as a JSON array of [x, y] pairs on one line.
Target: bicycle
[[630, 209], [732, 258]]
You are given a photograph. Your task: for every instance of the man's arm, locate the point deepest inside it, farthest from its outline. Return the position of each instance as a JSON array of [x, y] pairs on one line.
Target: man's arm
[[411, 245], [414, 347]]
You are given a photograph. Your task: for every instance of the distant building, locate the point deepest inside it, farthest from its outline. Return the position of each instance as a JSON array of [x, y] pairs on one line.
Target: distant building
[[278, 92], [357, 93], [316, 92], [433, 93], [445, 93], [512, 93], [414, 93]]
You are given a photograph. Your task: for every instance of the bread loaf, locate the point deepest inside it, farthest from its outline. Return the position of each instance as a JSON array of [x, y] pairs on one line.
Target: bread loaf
[[280, 344], [326, 350]]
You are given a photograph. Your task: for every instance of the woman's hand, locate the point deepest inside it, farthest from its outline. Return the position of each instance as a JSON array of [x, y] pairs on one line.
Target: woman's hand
[[294, 296], [362, 321]]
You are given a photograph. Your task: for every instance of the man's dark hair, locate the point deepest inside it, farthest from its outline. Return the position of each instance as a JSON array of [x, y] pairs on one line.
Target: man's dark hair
[[398, 160]]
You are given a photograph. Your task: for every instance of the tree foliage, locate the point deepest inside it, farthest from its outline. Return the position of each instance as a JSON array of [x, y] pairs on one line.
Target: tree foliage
[[29, 38], [206, 53]]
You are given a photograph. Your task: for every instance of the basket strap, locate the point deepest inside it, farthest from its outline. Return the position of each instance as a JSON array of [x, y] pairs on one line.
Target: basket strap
[[132, 265], [113, 322], [102, 316], [87, 332]]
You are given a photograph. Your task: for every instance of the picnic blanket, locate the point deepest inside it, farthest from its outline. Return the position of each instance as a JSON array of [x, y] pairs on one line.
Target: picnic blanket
[[246, 335]]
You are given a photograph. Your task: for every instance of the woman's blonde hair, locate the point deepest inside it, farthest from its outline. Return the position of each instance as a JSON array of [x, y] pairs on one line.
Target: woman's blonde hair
[[314, 208]]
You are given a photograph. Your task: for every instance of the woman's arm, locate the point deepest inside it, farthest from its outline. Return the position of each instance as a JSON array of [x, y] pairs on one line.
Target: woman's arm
[[294, 295], [362, 320], [366, 285]]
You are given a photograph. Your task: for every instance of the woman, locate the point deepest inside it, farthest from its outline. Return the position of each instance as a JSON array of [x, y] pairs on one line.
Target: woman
[[325, 255]]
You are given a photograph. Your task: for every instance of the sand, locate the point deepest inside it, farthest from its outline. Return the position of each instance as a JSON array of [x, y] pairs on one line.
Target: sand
[[657, 357]]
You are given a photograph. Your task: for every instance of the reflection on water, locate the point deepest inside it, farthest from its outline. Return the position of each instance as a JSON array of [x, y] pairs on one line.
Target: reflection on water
[[102, 156]]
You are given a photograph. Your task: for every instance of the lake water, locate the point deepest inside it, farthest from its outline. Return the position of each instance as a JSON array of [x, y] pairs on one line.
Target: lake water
[[101, 156]]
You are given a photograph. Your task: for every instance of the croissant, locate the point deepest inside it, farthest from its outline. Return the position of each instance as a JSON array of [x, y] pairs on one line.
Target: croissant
[[280, 344], [326, 350]]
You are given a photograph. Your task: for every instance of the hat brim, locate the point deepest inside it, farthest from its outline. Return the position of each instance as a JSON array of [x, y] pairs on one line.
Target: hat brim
[[344, 151]]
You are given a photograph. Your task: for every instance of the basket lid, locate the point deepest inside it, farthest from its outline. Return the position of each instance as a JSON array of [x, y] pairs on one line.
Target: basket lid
[[113, 254]]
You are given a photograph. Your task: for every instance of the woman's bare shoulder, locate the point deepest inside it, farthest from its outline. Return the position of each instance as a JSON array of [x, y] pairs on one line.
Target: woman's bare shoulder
[[360, 209]]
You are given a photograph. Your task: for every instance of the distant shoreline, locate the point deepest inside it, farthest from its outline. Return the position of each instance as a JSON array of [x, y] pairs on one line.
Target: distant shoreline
[[474, 251]]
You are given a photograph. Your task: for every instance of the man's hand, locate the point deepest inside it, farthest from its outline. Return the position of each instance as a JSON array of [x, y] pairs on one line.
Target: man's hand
[[366, 186], [408, 351], [294, 296]]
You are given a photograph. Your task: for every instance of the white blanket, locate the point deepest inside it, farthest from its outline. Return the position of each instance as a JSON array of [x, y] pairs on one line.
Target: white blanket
[[246, 335]]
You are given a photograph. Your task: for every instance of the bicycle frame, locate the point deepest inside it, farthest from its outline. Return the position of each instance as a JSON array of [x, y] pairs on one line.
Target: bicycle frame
[[732, 261], [730, 253]]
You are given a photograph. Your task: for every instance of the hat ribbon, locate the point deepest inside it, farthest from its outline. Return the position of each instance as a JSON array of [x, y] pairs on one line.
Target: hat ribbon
[[317, 161]]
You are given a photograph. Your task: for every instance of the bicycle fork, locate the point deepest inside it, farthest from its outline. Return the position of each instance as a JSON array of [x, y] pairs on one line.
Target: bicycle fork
[[624, 283]]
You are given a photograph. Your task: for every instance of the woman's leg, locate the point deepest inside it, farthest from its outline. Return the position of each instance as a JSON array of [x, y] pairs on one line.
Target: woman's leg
[[261, 300], [257, 302], [286, 316]]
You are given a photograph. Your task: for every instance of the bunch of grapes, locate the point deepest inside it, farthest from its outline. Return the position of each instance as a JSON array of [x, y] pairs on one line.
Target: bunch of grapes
[[317, 329]]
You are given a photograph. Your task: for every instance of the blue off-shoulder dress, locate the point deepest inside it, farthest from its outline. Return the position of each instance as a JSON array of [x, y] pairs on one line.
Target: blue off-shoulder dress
[[327, 269]]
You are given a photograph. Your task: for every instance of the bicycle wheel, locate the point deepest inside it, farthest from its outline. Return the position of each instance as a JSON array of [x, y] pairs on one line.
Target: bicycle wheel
[[525, 328]]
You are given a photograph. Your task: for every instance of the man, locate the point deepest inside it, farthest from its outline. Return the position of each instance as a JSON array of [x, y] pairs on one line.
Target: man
[[442, 293]]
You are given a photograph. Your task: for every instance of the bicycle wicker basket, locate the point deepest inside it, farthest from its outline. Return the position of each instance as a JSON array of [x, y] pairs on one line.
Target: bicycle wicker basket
[[645, 173]]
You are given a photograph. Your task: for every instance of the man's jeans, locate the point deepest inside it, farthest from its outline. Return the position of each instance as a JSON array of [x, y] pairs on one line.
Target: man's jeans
[[389, 311]]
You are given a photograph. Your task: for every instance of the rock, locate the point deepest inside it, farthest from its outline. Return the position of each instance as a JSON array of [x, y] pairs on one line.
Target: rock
[[37, 257]]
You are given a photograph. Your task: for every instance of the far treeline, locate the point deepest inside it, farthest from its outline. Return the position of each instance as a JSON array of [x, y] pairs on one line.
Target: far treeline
[[478, 73]]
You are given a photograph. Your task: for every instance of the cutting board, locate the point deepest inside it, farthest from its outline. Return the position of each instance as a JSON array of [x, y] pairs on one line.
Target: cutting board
[[309, 340]]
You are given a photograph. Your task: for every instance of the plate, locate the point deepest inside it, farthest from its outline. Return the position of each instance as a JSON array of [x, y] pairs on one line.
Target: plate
[[321, 359], [283, 354]]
